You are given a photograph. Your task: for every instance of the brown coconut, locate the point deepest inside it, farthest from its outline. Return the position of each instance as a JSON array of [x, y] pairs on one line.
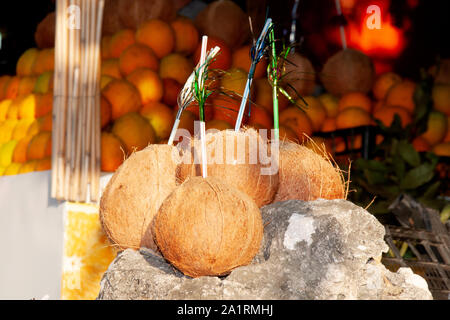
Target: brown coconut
[[307, 175], [133, 13], [45, 32], [111, 20], [246, 175], [300, 74], [208, 228], [347, 71], [225, 20], [134, 194], [178, 4]]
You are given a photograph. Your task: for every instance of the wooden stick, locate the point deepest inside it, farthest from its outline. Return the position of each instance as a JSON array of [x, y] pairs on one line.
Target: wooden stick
[[56, 97], [95, 178]]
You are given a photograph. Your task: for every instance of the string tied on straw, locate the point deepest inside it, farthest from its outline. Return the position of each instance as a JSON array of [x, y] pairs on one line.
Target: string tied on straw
[[257, 52], [186, 95]]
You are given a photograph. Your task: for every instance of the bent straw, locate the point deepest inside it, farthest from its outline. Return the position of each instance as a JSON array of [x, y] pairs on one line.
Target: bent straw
[[341, 27], [274, 71], [201, 104], [257, 53]]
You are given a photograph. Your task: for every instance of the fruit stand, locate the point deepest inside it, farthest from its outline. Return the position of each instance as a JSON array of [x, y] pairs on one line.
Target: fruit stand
[[78, 107]]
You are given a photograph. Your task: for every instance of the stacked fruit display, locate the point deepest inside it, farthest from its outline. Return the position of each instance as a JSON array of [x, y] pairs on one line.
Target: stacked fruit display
[[25, 114]]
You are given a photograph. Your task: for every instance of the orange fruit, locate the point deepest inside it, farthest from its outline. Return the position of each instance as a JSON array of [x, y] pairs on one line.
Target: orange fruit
[[45, 61], [44, 104], [104, 80], [105, 112], [187, 121], [297, 120], [421, 145], [26, 61], [44, 164], [12, 88], [45, 122], [12, 169], [259, 115], [315, 111], [38, 146], [148, 83], [26, 85], [21, 129], [13, 111], [355, 99], [331, 104], [112, 152], [137, 56], [352, 117], [120, 41], [123, 97], [44, 83], [287, 134], [186, 35], [106, 47], [441, 98], [7, 152], [171, 90], [160, 117], [27, 167], [4, 107], [4, 81], [28, 107], [34, 128], [436, 128], [158, 35], [377, 106], [329, 125], [227, 108], [176, 66], [442, 149], [218, 125], [134, 131], [223, 59], [383, 83], [234, 81], [402, 95], [241, 59], [111, 68], [386, 115]]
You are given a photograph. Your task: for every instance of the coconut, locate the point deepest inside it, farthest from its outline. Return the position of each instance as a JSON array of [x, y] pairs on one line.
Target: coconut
[[242, 168], [45, 32], [135, 192], [225, 20], [307, 175], [208, 228], [133, 13], [348, 71], [300, 74], [111, 21]]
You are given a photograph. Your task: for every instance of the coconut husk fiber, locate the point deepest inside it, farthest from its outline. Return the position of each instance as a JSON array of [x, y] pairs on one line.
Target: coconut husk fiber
[[347, 71], [135, 192], [307, 175], [244, 174], [208, 228]]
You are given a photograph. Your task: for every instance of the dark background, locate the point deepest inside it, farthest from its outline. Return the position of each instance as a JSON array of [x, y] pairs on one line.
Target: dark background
[[428, 38]]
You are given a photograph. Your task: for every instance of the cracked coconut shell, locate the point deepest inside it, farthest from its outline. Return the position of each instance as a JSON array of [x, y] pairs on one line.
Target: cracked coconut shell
[[306, 175], [347, 71], [208, 228], [245, 174], [135, 192]]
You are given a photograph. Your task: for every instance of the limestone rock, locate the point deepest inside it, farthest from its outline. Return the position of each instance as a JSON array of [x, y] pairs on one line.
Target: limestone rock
[[310, 250]]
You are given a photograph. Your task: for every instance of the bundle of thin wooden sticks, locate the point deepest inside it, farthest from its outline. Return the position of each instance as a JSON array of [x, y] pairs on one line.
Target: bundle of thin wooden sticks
[[76, 103]]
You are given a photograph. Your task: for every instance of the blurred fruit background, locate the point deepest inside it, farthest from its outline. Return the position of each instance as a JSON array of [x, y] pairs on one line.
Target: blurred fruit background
[[395, 80]]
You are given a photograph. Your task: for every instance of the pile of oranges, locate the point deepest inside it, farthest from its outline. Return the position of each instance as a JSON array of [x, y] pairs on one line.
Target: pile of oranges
[[142, 73]]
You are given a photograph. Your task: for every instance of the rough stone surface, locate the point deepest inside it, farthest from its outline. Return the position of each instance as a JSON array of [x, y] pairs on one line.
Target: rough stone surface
[[310, 250]]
